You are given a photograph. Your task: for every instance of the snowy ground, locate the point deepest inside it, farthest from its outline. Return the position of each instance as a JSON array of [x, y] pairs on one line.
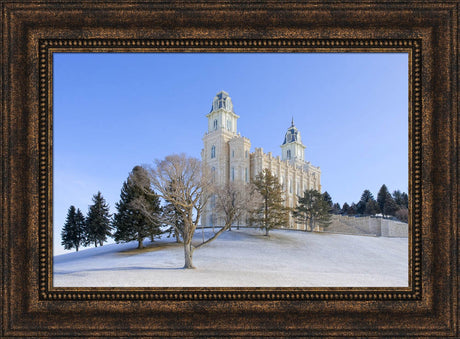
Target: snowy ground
[[243, 258]]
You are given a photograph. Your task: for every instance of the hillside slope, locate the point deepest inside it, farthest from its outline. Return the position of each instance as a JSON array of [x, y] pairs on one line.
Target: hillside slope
[[243, 258]]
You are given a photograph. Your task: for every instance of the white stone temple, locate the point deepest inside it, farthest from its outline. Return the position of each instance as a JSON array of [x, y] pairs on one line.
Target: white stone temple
[[229, 156]]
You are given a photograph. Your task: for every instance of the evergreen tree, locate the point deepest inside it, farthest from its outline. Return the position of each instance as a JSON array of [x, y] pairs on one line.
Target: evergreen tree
[[138, 211], [390, 207], [386, 203], [336, 208], [171, 217], [366, 197], [73, 232], [327, 198], [405, 200], [381, 197], [312, 210], [271, 212], [98, 221], [352, 210], [372, 207], [401, 199], [397, 197], [345, 208]]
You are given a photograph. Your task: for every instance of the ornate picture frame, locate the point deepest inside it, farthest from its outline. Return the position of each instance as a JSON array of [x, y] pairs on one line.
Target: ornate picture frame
[[33, 30]]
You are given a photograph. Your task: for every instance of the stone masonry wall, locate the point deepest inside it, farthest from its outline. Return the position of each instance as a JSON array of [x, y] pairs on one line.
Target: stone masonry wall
[[367, 226]]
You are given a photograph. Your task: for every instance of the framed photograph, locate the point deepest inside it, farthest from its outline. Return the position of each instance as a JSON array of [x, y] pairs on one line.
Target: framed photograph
[[114, 112], [114, 107]]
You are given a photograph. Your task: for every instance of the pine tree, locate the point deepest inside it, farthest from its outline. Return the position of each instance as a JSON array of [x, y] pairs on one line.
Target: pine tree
[[372, 208], [171, 217], [138, 211], [390, 207], [397, 197], [387, 204], [345, 208], [98, 223], [271, 212], [366, 197], [381, 197], [73, 232], [327, 198], [352, 210], [405, 200], [336, 208], [312, 210], [401, 199]]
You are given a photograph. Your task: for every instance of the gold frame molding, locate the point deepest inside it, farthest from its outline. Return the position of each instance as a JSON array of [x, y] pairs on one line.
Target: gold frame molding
[[34, 30]]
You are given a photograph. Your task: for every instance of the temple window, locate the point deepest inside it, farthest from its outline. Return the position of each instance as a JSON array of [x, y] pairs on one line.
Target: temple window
[[213, 151]]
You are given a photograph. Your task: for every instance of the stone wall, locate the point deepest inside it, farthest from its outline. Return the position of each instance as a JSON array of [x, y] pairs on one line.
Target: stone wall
[[391, 228], [367, 226]]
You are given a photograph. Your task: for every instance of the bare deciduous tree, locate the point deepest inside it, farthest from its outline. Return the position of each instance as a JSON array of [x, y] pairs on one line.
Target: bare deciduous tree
[[185, 183], [234, 200]]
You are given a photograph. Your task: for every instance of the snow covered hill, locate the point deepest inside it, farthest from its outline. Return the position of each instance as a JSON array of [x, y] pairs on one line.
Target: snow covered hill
[[242, 258]]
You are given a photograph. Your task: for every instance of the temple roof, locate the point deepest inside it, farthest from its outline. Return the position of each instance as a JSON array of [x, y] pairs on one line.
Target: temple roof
[[292, 134], [222, 100]]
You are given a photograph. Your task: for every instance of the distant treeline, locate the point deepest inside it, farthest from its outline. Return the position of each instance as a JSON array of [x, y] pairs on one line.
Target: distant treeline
[[387, 204]]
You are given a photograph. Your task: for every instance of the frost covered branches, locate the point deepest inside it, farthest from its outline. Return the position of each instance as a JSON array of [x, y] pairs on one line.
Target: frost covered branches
[[186, 184], [234, 200]]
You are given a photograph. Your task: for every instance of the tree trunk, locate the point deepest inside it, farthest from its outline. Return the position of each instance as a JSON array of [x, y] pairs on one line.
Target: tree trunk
[[95, 244], [140, 245], [101, 243], [266, 231], [176, 235], [188, 253]]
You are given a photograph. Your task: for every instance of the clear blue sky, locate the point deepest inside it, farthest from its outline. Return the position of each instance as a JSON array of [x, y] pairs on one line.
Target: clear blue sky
[[115, 111]]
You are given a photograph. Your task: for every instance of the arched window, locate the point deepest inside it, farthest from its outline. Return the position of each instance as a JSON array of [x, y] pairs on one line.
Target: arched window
[[246, 154], [233, 153], [233, 174], [290, 186], [213, 151], [246, 174], [215, 124], [288, 154], [229, 125]]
